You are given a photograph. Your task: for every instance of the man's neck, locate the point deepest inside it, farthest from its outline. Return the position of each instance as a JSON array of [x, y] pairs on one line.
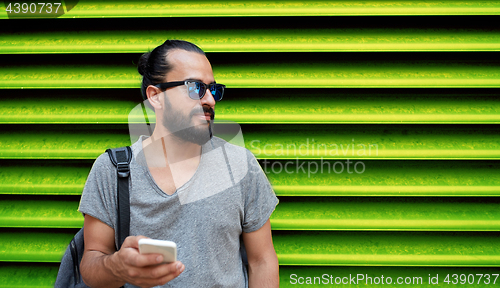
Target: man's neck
[[170, 148]]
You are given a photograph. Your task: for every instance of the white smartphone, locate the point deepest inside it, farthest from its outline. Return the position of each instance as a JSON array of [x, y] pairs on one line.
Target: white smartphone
[[166, 248]]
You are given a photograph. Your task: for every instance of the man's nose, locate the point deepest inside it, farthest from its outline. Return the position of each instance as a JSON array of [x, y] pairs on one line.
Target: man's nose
[[208, 99]]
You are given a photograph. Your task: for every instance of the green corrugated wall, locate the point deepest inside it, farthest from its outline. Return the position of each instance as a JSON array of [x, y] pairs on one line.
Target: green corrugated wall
[[377, 122]]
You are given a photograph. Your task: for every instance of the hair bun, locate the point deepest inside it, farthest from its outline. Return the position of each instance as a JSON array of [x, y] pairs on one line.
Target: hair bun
[[142, 66]]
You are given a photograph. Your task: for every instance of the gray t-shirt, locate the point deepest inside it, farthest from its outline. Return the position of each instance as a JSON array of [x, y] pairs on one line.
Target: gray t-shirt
[[228, 194]]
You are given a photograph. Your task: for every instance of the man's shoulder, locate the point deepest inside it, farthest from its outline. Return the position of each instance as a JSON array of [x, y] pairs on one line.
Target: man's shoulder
[[104, 159], [103, 163]]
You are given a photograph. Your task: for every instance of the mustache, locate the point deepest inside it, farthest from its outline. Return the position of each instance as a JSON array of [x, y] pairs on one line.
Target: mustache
[[204, 109]]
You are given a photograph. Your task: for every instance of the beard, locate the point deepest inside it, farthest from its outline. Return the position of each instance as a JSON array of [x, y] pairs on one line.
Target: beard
[[183, 129]]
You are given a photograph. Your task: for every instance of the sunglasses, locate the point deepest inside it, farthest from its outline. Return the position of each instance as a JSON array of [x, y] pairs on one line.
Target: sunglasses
[[196, 89]]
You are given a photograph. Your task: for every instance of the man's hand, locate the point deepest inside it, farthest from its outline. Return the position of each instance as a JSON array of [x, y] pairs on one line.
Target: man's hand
[[103, 266], [141, 270]]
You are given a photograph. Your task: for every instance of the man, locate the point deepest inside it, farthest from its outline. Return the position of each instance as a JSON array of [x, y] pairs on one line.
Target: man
[[186, 186]]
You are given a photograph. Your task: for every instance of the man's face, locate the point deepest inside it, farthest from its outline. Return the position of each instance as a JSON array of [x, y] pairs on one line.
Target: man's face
[[189, 120]]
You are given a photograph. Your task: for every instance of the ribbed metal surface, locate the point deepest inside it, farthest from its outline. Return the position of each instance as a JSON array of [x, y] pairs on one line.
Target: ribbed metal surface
[[387, 214], [292, 178], [138, 9], [313, 34], [438, 214], [311, 248], [379, 133], [40, 213], [322, 70], [388, 248], [30, 245], [275, 141], [42, 177], [43, 275], [262, 106]]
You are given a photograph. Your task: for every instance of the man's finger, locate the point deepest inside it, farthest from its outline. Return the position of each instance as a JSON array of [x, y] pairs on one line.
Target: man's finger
[[167, 272], [133, 241], [163, 270], [155, 275], [133, 258]]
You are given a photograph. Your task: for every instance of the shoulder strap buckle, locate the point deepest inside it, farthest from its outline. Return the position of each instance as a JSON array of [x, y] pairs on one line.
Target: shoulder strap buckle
[[123, 170]]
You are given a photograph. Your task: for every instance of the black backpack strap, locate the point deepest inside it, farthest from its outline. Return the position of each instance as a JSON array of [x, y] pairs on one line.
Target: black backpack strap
[[121, 157], [76, 260]]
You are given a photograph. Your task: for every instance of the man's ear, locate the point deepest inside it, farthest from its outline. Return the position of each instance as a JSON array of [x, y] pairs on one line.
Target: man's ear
[[154, 94]]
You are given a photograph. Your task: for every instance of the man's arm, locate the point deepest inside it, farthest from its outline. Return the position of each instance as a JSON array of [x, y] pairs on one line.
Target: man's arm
[[263, 267], [102, 266]]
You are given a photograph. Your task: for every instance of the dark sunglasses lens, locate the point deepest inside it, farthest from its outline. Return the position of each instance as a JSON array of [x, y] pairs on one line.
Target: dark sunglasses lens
[[196, 90], [217, 91]]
